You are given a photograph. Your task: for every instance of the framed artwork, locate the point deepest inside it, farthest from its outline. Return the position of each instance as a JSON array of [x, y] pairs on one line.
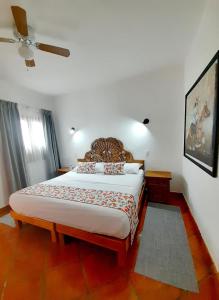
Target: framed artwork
[[201, 119]]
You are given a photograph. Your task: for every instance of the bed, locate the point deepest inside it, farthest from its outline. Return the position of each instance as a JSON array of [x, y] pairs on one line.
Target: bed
[[102, 225]]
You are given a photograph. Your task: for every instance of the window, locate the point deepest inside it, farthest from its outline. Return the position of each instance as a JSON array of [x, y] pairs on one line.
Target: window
[[33, 133]]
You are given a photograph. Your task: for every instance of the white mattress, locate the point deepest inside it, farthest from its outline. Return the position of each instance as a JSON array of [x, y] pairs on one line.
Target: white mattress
[[92, 218]]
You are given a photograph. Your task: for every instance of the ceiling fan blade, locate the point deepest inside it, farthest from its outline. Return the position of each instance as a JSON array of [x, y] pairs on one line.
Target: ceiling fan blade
[[20, 18], [7, 40], [53, 49], [30, 63]]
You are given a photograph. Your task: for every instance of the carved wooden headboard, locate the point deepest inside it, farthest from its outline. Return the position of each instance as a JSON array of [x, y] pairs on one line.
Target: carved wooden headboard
[[108, 150]]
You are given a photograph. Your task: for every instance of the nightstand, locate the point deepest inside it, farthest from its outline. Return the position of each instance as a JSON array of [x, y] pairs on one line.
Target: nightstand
[[63, 170], [158, 185]]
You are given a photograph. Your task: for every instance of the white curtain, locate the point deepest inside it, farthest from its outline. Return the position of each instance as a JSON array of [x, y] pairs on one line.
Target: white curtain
[[33, 133]]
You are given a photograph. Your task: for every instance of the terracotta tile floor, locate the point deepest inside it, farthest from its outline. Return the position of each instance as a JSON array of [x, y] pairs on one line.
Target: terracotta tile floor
[[31, 267]]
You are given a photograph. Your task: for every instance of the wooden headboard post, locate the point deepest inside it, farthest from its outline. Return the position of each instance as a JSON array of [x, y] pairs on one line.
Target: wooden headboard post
[[109, 150]]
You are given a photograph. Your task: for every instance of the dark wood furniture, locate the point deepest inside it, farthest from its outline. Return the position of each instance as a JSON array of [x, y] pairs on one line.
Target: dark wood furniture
[[158, 185]]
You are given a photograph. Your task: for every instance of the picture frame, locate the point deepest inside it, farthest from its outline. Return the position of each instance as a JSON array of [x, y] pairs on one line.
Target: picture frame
[[201, 119]]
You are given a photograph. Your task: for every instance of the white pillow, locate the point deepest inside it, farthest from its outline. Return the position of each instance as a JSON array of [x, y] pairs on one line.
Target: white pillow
[[132, 168], [99, 167]]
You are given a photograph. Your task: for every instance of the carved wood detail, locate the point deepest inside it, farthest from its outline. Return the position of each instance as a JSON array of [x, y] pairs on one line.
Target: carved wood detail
[[108, 150]]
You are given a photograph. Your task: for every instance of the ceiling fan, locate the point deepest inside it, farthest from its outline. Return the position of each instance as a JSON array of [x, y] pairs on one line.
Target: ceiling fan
[[24, 36]]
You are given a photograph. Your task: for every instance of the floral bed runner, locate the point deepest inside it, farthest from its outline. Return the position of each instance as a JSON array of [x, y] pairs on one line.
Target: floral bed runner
[[121, 201]]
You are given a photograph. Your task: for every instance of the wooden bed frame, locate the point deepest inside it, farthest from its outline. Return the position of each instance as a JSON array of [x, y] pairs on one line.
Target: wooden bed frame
[[102, 150], [20, 219]]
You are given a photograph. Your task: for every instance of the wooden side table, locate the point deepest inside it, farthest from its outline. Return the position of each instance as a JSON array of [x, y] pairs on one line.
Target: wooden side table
[[63, 170], [158, 185]]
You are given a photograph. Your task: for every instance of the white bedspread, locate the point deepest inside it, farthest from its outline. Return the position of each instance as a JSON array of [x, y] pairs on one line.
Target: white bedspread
[[92, 218]]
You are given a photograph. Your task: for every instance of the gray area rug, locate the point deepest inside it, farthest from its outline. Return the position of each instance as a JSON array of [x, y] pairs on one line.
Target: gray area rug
[[164, 252], [8, 220]]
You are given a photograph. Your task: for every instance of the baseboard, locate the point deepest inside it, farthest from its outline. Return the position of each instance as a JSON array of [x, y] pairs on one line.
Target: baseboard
[[214, 262], [4, 210]]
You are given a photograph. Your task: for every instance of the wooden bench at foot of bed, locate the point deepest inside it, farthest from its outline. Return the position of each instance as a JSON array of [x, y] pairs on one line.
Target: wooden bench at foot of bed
[[120, 246], [19, 219]]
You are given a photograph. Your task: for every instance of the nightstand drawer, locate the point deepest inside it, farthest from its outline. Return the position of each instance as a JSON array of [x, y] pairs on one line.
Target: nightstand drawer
[[162, 186], [158, 193], [157, 180], [158, 185]]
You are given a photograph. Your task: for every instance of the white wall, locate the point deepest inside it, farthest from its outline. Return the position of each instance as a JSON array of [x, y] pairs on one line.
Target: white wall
[[201, 190], [117, 110], [37, 171], [18, 94]]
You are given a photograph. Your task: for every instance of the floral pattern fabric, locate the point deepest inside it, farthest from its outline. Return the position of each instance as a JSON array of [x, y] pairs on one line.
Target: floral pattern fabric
[[116, 200], [86, 167], [114, 168]]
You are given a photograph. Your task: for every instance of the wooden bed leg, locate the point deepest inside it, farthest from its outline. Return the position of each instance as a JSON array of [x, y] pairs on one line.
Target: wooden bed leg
[[18, 224], [53, 236], [61, 239], [121, 257]]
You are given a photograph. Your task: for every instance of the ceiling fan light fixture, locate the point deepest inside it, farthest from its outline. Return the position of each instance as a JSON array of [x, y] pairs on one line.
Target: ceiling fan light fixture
[[24, 35], [25, 52]]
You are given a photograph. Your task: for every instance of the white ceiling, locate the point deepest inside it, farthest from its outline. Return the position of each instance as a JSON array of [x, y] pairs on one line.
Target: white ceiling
[[108, 39]]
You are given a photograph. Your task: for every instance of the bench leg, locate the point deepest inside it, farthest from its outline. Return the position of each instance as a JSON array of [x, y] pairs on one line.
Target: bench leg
[[18, 224], [53, 236], [61, 239], [121, 257]]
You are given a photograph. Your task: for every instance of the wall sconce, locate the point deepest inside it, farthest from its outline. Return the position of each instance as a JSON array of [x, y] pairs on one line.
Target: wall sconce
[[146, 121], [72, 130]]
